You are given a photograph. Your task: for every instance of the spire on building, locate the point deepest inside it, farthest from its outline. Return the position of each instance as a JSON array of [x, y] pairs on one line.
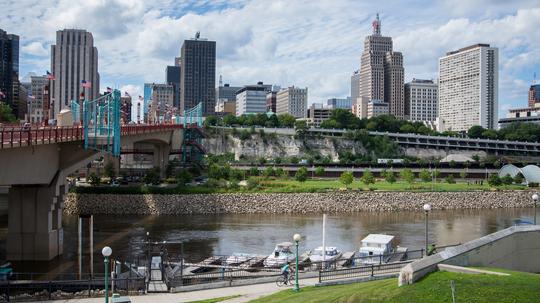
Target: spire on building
[[376, 26], [220, 81]]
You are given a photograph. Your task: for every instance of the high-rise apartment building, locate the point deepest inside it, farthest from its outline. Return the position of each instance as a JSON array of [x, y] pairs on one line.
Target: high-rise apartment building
[[293, 101], [162, 102], [172, 77], [251, 99], [381, 73], [469, 88], [198, 74], [421, 100], [36, 102], [355, 86], [9, 70], [534, 95], [74, 59]]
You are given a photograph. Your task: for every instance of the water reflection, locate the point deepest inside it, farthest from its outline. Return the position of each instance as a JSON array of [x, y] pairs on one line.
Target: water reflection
[[206, 235]]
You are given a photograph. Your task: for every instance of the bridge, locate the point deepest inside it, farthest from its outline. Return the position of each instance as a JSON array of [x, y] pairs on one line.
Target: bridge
[[35, 164]]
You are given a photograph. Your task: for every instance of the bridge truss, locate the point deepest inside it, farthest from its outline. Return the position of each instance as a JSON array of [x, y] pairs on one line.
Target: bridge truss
[[192, 149], [101, 123]]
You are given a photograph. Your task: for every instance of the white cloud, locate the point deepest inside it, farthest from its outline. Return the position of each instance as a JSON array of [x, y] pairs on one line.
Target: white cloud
[[35, 49]]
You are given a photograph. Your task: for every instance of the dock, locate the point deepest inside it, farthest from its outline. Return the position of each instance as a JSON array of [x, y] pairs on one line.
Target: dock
[[346, 259], [399, 255]]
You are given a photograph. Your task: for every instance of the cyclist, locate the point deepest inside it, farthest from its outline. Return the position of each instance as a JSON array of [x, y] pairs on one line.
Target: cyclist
[[285, 271]]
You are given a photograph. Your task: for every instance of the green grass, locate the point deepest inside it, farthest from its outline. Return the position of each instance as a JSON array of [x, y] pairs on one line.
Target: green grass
[[518, 287], [215, 300], [293, 186]]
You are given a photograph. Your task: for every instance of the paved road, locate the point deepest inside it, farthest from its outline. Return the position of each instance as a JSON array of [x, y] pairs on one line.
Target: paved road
[[247, 293]]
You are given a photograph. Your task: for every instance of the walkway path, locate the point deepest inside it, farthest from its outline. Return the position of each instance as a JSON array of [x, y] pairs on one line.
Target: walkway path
[[247, 293]]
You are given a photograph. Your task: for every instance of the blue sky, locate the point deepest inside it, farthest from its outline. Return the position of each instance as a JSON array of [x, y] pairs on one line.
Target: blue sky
[[304, 43]]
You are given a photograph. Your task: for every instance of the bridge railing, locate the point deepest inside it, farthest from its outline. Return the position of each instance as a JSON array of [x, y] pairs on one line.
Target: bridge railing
[[20, 136]]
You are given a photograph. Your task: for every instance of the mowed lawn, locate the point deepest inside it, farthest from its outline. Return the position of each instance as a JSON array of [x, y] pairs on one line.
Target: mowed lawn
[[292, 185], [518, 287]]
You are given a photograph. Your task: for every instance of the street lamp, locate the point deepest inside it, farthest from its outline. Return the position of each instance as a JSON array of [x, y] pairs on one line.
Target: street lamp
[[427, 209], [106, 252], [535, 199], [296, 239]]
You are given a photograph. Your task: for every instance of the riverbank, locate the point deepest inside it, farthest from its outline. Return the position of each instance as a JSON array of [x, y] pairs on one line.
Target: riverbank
[[277, 203]]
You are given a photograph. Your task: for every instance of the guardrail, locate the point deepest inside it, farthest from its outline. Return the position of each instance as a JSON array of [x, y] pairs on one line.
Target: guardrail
[[361, 271]]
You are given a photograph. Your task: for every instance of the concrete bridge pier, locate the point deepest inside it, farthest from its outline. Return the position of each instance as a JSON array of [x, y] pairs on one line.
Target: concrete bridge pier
[[35, 222], [161, 157]]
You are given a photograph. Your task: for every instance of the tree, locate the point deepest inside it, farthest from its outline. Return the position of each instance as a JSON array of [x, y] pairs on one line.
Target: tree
[[254, 171], [252, 183], [229, 120], [475, 131], [279, 172], [346, 178], [367, 177], [390, 177], [6, 114], [301, 128], [109, 170], [494, 180], [210, 121], [294, 160], [286, 120], [245, 135], [268, 172], [319, 171], [425, 175], [407, 175], [452, 163], [518, 179], [476, 158], [436, 174], [450, 179], [152, 176], [94, 179], [184, 176], [463, 174], [301, 174], [507, 179]]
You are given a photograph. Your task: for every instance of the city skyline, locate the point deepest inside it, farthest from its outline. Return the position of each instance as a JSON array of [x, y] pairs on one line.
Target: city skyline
[[249, 52]]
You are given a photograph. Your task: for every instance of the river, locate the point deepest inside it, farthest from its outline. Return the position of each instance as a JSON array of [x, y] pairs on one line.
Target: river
[[206, 235]]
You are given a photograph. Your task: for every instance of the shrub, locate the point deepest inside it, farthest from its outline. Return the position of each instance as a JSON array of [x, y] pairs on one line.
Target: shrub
[[279, 172], [301, 174], [494, 180], [109, 170], [450, 179], [254, 171], [463, 174], [252, 183], [244, 135], [533, 184], [407, 175], [268, 172], [294, 160], [184, 176], [518, 179], [346, 178], [152, 176], [425, 175], [93, 179], [390, 177], [507, 180], [367, 177], [319, 171]]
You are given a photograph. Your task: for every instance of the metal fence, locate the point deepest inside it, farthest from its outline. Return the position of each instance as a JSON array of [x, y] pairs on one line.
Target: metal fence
[[361, 272], [220, 276]]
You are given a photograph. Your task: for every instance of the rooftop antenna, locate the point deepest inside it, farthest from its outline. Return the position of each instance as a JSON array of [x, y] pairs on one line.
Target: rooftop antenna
[[534, 78], [376, 24], [197, 35], [220, 81]]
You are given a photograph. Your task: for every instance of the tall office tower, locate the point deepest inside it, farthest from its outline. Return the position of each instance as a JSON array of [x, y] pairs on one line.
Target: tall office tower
[[355, 86], [125, 108], [469, 88], [162, 102], [293, 101], [251, 99], [36, 103], [9, 70], [534, 95], [172, 77], [381, 73], [421, 100], [74, 59], [198, 74]]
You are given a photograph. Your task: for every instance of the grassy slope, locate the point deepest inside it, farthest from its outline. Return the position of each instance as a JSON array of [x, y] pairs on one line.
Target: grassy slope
[[215, 300], [519, 287]]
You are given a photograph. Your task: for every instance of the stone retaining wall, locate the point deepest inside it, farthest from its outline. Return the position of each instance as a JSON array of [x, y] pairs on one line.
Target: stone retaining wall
[[333, 202]]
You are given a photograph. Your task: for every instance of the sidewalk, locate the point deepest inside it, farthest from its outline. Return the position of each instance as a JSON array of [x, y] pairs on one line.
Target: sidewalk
[[247, 293]]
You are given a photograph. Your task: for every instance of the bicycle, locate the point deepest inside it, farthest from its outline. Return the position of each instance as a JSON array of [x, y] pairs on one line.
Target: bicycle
[[289, 281]]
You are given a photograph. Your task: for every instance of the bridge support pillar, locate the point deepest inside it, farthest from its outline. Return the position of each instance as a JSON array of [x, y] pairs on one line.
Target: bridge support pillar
[[35, 223], [161, 157]]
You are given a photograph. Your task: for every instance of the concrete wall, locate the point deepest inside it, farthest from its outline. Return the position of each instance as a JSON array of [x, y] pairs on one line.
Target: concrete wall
[[514, 248]]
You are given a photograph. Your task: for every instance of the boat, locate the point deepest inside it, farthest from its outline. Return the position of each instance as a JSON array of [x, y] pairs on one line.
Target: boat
[[281, 255], [238, 258], [376, 248], [332, 254]]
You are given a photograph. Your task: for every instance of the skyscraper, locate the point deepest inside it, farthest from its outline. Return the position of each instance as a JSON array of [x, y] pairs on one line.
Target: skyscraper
[[469, 88], [198, 74], [292, 100], [36, 104], [251, 99], [381, 73], [9, 70], [73, 59], [421, 100], [355, 86], [534, 95], [172, 77]]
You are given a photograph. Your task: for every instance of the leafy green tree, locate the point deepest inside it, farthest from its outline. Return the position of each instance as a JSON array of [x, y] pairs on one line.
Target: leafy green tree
[[286, 120], [210, 121], [214, 171], [229, 120], [295, 160], [489, 134], [93, 179], [436, 174], [518, 179], [507, 179], [346, 178], [262, 160], [109, 170], [463, 174], [452, 163], [425, 175], [6, 114], [407, 175], [252, 183], [319, 171], [184, 176], [475, 131], [301, 128], [494, 180], [268, 172], [301, 174], [390, 177], [280, 173], [367, 177], [450, 179], [152, 176], [254, 171], [476, 158]]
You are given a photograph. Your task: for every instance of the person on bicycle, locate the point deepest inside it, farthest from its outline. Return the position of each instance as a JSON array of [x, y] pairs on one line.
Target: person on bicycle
[[285, 271]]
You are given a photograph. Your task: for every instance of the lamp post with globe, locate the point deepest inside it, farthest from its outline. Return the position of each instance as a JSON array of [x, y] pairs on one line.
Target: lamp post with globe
[[427, 209], [296, 239], [106, 252], [535, 199]]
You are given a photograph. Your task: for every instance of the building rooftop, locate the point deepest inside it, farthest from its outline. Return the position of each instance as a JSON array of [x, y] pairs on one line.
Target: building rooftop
[[467, 48], [378, 238]]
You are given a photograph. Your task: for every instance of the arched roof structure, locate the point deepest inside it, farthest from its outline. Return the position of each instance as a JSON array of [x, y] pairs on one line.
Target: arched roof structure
[[531, 173]]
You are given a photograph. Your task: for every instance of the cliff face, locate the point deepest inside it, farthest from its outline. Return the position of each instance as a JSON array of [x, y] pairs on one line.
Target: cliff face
[[275, 146]]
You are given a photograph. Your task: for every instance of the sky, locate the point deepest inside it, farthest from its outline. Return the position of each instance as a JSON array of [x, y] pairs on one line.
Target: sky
[[314, 44]]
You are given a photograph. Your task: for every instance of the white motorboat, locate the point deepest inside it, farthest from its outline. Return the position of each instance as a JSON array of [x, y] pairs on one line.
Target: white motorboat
[[282, 254], [332, 254], [376, 248], [238, 258]]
